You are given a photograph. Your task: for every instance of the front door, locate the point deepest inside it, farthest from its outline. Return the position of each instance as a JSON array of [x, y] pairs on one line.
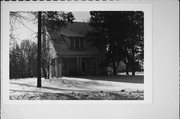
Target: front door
[[83, 67]]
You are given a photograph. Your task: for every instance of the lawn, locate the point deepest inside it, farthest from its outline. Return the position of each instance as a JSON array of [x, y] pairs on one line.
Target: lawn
[[79, 88]]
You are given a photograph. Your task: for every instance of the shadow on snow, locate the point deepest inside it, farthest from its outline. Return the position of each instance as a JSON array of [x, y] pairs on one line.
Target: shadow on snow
[[125, 79]]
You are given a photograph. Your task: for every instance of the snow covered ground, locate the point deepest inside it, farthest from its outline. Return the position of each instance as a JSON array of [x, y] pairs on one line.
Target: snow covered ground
[[68, 85]]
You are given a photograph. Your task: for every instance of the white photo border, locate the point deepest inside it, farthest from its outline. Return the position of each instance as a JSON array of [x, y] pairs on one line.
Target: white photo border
[[162, 101]]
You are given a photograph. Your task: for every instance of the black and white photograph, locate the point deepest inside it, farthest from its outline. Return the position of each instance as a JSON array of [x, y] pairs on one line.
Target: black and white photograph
[[81, 59], [78, 55]]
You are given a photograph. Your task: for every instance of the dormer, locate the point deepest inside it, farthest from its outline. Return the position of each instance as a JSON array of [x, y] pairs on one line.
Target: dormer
[[77, 43]]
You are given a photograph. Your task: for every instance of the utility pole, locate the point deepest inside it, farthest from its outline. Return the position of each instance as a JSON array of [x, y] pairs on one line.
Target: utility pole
[[39, 51]]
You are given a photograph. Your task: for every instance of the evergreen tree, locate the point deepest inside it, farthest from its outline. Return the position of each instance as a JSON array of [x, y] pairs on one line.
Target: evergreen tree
[[122, 34]]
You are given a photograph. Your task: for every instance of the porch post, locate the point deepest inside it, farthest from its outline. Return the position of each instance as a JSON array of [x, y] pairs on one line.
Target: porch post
[[80, 65], [50, 69], [96, 65], [56, 67], [77, 58], [60, 67]]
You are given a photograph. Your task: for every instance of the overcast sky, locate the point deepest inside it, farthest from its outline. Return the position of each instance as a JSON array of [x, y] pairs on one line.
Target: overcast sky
[[81, 16], [29, 32]]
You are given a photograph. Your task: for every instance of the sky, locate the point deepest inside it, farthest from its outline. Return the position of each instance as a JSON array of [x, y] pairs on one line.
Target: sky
[[81, 16], [29, 29]]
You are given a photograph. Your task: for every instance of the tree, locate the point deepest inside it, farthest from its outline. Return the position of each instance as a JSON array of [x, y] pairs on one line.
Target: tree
[[135, 41], [121, 32], [23, 59], [29, 49], [16, 62], [18, 18], [52, 19]]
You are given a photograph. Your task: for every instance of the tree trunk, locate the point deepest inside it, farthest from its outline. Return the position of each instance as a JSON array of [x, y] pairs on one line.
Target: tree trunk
[[48, 72], [44, 72], [114, 69], [127, 66], [133, 71], [133, 67], [39, 52], [133, 62], [127, 69]]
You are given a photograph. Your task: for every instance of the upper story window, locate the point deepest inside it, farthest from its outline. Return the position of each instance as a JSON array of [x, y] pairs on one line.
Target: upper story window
[[77, 43]]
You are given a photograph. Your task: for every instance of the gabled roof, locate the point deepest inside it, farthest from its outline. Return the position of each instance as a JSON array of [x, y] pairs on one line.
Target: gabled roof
[[76, 29], [71, 34]]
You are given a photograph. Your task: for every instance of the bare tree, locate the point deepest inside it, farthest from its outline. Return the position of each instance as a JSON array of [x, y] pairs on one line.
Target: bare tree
[[23, 59], [51, 19]]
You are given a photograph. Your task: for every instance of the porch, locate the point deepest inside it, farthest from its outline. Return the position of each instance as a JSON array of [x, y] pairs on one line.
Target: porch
[[73, 66]]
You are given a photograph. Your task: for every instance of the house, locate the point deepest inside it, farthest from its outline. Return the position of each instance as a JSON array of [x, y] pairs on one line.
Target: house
[[71, 53]]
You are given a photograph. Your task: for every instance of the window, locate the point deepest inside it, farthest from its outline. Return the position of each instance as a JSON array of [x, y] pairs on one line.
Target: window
[[77, 43], [72, 43], [81, 43]]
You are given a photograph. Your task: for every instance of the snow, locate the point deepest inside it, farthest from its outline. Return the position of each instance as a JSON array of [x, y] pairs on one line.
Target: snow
[[66, 85]]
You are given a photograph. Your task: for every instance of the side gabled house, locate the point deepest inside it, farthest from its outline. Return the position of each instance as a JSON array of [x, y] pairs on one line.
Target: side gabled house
[[71, 53]]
